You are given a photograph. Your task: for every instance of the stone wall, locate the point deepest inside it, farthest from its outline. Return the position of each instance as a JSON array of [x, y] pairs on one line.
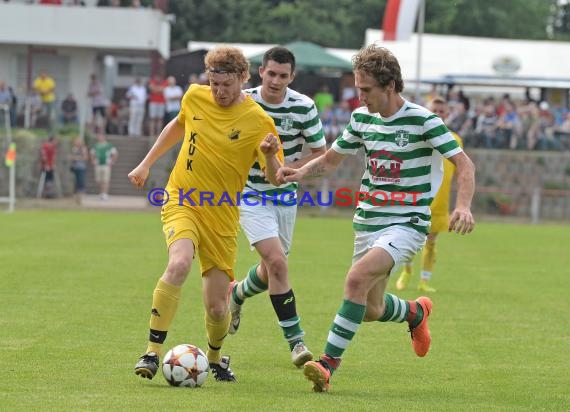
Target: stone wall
[[506, 181]]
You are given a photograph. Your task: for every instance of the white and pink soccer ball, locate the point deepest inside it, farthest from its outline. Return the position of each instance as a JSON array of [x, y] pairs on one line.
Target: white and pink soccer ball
[[185, 365]]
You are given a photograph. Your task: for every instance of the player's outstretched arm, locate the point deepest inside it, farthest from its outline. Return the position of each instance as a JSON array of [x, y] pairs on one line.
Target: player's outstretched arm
[[170, 135], [315, 152], [461, 220], [321, 166]]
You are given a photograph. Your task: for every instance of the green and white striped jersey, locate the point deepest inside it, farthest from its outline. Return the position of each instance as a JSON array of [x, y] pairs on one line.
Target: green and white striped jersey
[[403, 165], [297, 122]]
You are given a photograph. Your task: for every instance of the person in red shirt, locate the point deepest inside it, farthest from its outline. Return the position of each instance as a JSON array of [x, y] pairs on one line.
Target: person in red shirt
[[47, 154], [156, 104]]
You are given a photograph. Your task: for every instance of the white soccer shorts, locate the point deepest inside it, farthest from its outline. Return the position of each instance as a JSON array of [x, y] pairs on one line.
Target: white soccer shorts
[[260, 222], [402, 243]]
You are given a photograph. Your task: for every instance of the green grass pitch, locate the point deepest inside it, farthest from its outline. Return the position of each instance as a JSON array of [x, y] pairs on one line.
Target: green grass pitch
[[75, 294]]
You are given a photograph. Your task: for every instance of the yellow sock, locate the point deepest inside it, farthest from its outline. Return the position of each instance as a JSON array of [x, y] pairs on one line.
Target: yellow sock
[[164, 304], [428, 256], [216, 331]]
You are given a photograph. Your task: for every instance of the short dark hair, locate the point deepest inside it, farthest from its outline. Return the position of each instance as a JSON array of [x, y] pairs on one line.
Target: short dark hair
[[281, 55]]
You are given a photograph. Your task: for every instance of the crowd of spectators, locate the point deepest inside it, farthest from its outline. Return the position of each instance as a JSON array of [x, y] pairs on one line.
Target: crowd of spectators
[[506, 123], [491, 123]]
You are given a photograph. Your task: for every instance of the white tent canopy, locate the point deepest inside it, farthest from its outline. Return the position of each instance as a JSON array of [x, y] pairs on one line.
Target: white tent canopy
[[481, 60]]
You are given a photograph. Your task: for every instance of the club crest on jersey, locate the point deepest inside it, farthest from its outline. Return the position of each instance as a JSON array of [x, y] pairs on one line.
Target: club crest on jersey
[[287, 123], [234, 134], [402, 138]]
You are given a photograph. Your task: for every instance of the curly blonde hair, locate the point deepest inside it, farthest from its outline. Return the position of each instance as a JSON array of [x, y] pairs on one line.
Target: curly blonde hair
[[227, 59], [379, 63]]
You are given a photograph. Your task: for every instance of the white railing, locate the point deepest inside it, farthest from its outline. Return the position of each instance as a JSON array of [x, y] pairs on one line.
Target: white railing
[[11, 198]]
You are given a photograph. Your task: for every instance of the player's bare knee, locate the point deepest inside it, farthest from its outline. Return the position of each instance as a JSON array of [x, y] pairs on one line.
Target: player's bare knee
[[276, 266], [178, 267], [217, 311], [355, 286]]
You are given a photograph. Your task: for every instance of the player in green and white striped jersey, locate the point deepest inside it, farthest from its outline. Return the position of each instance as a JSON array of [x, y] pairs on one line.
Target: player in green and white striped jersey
[[268, 217], [404, 144]]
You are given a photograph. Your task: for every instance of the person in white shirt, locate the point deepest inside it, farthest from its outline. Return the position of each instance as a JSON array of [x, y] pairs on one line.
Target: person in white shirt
[[137, 95], [173, 95]]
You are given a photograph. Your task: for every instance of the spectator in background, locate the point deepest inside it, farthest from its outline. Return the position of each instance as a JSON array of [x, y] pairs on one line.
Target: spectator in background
[[13, 107], [192, 78], [464, 99], [48, 151], [509, 126], [5, 100], [500, 109], [328, 122], [203, 79], [137, 100], [69, 110], [545, 133], [486, 128], [118, 117], [562, 132], [8, 97], [458, 119], [529, 118], [103, 156], [173, 96], [156, 104], [565, 125], [323, 98], [350, 96], [44, 85], [342, 114], [99, 102], [123, 116], [35, 103], [111, 115], [78, 165]]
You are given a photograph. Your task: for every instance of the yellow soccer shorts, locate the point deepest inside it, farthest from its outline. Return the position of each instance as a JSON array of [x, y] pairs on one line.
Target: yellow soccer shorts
[[214, 251]]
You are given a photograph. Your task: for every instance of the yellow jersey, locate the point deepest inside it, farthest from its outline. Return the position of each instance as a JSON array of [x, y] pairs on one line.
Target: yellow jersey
[[220, 146], [42, 86], [440, 203]]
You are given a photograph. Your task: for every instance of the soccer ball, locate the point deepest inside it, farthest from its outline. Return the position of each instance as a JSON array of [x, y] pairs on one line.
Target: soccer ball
[[185, 365]]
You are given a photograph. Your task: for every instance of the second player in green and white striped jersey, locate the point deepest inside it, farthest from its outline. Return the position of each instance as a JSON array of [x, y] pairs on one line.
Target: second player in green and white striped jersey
[[297, 121], [268, 225]]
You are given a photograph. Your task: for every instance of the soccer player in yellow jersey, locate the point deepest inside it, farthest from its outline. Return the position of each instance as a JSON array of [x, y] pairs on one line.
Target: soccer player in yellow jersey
[[439, 212], [224, 132]]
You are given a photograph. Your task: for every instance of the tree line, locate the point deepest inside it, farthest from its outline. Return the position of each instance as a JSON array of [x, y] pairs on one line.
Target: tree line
[[342, 23]]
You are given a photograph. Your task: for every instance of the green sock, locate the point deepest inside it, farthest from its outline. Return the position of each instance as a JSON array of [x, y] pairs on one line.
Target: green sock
[[399, 310], [346, 323], [248, 287]]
